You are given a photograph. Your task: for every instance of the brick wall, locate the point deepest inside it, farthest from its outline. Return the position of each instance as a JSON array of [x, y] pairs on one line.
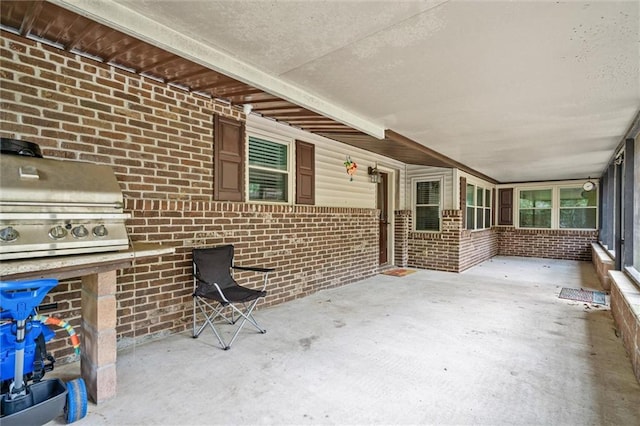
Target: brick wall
[[554, 244], [625, 308], [437, 250], [476, 247], [454, 249], [159, 141], [401, 229]]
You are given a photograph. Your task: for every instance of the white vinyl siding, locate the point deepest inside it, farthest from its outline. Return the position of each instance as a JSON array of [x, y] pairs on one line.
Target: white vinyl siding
[[333, 187], [433, 173]]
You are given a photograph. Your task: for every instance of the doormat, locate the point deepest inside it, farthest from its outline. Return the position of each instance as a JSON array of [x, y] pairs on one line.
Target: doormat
[[398, 272], [589, 296]]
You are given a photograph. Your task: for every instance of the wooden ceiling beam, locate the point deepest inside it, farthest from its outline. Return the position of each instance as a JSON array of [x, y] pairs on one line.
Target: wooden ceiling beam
[[86, 31], [409, 143], [259, 108], [300, 115], [223, 79], [308, 122], [159, 63], [30, 17], [198, 73], [264, 101], [325, 127], [135, 43], [247, 90]]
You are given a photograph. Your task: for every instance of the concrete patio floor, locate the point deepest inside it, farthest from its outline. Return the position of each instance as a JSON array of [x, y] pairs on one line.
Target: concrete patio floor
[[493, 345]]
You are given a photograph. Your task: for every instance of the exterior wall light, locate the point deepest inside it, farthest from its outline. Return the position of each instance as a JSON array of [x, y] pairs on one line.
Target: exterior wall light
[[374, 174]]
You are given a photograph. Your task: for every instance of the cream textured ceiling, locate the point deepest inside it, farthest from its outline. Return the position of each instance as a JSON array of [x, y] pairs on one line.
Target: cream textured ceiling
[[517, 90]]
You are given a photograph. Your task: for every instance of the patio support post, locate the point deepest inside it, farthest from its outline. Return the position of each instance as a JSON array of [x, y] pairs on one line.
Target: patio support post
[[98, 358]]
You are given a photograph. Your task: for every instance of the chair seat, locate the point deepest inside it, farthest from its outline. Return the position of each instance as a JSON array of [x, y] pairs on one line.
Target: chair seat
[[233, 294]]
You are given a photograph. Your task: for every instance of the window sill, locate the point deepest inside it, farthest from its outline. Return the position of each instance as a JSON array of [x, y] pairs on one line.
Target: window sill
[[633, 274]]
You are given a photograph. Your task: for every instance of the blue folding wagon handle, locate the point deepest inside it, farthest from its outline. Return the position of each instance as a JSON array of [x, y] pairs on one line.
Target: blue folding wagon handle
[[20, 298]]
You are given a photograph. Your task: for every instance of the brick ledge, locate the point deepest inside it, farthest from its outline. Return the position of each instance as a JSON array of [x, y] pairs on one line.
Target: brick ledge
[[602, 263], [625, 307], [629, 291]]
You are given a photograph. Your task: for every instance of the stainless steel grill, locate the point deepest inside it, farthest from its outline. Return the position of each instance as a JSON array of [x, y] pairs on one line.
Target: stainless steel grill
[[52, 207]]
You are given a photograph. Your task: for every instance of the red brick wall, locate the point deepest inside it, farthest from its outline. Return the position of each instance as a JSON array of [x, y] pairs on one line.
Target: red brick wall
[[454, 249], [437, 250], [625, 313], [159, 141], [553, 244], [401, 229], [476, 247]]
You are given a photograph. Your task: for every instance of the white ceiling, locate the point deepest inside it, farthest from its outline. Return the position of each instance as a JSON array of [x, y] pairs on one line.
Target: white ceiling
[[519, 91]]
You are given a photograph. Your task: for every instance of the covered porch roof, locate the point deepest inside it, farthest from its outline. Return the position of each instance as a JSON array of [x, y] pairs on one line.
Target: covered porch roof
[[508, 91]]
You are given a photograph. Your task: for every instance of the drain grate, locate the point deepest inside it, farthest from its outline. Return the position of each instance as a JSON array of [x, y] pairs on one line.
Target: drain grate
[[589, 296]]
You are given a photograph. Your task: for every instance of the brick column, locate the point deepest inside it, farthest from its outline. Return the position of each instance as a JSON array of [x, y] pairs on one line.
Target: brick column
[[402, 226], [98, 359]]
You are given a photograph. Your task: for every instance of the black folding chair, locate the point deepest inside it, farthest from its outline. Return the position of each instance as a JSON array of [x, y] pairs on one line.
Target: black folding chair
[[217, 297]]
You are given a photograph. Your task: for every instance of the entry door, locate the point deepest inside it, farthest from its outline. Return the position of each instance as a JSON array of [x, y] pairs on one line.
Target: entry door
[[383, 206]]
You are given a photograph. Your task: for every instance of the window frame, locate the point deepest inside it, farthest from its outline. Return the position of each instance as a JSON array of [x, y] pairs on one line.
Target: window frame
[[551, 209], [414, 198], [560, 208], [290, 172], [487, 208], [555, 205]]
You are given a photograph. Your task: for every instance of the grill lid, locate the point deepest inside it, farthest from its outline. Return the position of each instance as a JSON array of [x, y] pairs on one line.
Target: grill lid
[[20, 147], [30, 184]]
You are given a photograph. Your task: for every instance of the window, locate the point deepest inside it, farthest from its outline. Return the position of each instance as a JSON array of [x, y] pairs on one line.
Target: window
[[535, 208], [478, 214], [562, 206], [427, 207], [268, 170], [578, 208]]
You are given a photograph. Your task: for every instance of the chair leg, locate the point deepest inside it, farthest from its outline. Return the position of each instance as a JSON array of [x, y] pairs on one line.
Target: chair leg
[[208, 320], [246, 316], [236, 317]]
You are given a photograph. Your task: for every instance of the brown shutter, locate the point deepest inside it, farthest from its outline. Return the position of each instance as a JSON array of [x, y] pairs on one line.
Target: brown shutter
[[305, 173], [228, 159], [505, 201], [463, 201], [493, 207]]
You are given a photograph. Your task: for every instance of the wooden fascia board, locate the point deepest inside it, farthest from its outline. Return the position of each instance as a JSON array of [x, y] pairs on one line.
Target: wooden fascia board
[[403, 140]]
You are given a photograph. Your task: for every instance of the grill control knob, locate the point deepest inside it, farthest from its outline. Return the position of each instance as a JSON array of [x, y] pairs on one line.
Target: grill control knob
[[100, 231], [57, 232], [80, 231], [9, 234]]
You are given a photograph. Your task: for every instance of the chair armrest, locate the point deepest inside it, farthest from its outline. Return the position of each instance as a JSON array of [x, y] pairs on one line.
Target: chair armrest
[[255, 269]]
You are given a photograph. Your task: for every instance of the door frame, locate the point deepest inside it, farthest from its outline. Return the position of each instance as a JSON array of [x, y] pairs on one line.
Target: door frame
[[392, 206]]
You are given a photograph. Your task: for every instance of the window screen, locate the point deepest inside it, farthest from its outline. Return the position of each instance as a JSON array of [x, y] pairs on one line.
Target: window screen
[[535, 208], [578, 208], [268, 170], [427, 217]]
